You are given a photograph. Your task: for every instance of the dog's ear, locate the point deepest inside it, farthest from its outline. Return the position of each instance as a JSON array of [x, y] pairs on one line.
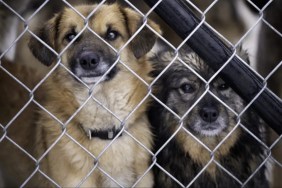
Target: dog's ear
[[145, 39], [47, 35]]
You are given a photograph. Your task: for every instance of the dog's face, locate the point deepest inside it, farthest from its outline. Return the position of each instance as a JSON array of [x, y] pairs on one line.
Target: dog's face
[[179, 88], [90, 52]]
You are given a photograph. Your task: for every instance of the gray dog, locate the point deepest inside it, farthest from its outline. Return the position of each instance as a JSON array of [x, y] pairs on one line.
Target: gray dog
[[197, 142]]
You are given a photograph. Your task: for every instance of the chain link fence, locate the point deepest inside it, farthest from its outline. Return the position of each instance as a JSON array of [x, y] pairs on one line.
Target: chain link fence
[[21, 82]]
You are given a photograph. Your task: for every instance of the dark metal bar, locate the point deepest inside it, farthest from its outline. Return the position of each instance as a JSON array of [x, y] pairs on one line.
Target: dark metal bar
[[215, 53]]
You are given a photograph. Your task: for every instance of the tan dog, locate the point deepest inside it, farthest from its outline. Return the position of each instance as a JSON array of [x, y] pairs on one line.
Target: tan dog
[[82, 143]]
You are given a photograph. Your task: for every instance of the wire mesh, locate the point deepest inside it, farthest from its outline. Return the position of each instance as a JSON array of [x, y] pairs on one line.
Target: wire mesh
[[272, 149]]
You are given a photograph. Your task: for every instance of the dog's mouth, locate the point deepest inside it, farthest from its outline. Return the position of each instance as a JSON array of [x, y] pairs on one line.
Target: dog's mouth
[[208, 129], [213, 129], [91, 67], [90, 80], [100, 74]]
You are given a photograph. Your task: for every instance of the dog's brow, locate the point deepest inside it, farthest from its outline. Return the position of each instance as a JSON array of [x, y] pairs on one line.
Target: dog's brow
[[57, 25], [109, 26], [92, 17], [73, 28]]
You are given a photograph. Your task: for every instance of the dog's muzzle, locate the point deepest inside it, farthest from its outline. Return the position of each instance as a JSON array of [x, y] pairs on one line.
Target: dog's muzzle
[[209, 114], [91, 67], [88, 61]]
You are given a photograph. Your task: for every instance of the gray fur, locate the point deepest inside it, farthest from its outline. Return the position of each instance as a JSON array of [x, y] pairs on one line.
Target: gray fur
[[240, 154]]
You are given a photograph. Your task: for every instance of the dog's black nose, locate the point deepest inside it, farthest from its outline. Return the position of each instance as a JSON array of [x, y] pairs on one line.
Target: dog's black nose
[[209, 114], [89, 60]]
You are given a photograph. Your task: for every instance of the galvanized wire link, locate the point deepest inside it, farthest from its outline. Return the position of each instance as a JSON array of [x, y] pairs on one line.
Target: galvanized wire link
[[201, 172], [176, 58], [276, 161], [171, 176], [257, 169], [226, 171], [3, 135], [48, 178]]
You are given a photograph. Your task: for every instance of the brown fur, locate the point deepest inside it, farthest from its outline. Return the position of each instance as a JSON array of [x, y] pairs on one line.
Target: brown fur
[[15, 164], [59, 145]]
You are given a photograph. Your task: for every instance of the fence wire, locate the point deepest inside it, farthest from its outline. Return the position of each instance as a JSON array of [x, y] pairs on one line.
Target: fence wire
[[42, 10]]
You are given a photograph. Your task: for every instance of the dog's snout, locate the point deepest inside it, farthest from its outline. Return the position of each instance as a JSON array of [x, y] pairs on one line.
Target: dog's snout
[[89, 60], [209, 114]]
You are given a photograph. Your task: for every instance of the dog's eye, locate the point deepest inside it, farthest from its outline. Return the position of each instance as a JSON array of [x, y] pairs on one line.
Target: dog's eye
[[187, 88], [223, 87], [70, 36], [112, 35]]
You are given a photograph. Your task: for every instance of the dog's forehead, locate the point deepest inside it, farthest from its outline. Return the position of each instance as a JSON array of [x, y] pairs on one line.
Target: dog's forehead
[[197, 64], [102, 17], [184, 64]]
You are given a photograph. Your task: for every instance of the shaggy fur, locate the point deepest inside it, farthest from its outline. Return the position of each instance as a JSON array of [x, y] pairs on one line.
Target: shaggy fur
[[91, 73], [184, 156]]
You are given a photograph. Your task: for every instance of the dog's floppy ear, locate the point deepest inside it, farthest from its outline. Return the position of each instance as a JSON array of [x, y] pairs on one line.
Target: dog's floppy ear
[[46, 34], [145, 39]]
